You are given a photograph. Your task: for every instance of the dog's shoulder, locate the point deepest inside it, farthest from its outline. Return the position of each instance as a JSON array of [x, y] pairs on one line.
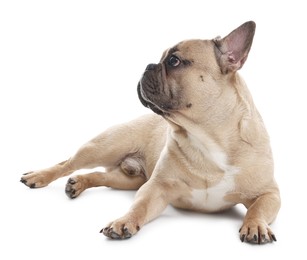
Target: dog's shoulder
[[251, 126]]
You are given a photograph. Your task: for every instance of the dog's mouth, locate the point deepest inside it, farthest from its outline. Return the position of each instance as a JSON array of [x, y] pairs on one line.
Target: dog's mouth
[[154, 92], [148, 103]]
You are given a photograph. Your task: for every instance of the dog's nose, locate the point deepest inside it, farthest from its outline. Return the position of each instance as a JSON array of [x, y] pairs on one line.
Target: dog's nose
[[151, 66]]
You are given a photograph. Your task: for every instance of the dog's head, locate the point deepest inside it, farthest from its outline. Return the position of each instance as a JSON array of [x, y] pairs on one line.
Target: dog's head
[[191, 75]]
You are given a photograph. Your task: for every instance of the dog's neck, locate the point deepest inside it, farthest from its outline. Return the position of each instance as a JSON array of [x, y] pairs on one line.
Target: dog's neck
[[238, 115], [194, 139]]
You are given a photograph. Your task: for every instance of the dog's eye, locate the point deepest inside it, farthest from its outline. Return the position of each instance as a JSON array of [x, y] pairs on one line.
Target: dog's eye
[[174, 61]]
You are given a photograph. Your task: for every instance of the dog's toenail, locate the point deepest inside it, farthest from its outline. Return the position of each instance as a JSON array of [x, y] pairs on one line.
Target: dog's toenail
[[242, 237], [72, 181]]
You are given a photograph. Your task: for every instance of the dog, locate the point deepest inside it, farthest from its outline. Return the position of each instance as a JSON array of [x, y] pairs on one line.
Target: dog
[[205, 147]]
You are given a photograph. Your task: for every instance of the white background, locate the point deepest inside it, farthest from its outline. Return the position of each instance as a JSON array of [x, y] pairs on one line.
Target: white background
[[69, 69]]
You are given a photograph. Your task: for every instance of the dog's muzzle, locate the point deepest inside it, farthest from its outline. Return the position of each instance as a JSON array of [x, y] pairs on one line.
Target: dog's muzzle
[[149, 87]]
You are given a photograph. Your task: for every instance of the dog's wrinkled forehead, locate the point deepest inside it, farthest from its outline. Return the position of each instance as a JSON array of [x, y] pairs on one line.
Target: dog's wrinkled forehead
[[191, 50], [181, 49]]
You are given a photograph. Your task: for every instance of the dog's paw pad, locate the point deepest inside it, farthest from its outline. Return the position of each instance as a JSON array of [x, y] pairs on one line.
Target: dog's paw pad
[[74, 187], [109, 232], [120, 230]]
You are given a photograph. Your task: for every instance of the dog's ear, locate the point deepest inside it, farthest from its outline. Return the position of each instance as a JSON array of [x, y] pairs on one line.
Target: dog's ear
[[232, 50]]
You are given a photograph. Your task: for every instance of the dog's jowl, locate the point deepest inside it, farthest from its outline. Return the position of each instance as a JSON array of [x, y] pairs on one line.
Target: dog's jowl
[[204, 148]]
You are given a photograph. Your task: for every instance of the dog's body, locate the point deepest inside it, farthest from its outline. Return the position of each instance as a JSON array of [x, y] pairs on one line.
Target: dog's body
[[206, 150]]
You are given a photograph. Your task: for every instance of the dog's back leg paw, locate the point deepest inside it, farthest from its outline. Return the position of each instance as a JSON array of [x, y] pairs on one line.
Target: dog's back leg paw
[[34, 180], [75, 186]]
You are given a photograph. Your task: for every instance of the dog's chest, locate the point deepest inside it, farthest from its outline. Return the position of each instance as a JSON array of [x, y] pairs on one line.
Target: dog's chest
[[210, 197]]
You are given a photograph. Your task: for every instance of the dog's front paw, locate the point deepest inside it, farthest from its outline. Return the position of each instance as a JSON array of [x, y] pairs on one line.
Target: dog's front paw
[[122, 228], [255, 231], [34, 180]]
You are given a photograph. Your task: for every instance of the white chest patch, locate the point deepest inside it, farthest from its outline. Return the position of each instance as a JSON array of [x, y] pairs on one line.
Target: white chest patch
[[212, 198]]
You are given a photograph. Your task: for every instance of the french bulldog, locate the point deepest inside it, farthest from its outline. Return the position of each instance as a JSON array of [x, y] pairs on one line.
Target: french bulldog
[[205, 147]]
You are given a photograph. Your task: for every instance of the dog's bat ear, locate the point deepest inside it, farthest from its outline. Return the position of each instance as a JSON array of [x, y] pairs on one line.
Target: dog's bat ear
[[232, 50]]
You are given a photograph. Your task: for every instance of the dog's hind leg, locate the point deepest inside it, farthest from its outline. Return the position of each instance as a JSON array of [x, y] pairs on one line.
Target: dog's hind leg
[[116, 179], [108, 150], [129, 175]]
